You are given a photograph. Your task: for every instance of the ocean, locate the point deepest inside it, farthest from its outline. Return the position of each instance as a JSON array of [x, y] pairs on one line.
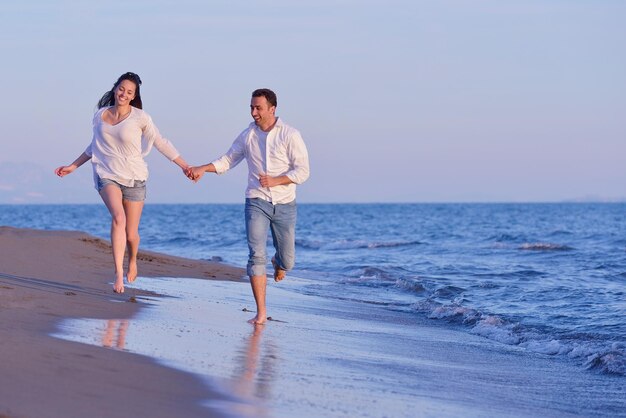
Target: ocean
[[542, 282]]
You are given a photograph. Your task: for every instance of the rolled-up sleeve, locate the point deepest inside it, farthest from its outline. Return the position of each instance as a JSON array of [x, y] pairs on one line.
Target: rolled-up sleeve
[[233, 156], [299, 158]]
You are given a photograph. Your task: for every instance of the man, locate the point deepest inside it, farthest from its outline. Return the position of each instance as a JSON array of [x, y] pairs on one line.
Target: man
[[277, 160]]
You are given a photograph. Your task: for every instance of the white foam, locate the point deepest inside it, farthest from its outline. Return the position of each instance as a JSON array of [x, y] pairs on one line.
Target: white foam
[[552, 347], [353, 244], [544, 246], [596, 355], [494, 328], [465, 315]]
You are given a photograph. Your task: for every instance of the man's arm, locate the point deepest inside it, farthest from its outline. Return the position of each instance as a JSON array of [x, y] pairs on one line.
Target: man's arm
[[299, 158], [268, 181], [227, 161]]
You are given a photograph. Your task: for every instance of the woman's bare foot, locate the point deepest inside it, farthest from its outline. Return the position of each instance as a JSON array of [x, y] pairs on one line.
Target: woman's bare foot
[[132, 271], [118, 286]]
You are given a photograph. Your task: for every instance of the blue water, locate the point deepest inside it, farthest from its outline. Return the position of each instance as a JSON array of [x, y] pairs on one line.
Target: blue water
[[547, 278]]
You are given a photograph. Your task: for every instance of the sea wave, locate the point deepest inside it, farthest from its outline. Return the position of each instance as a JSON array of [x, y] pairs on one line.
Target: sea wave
[[353, 244], [409, 285], [544, 246], [377, 277], [369, 275], [506, 275], [505, 238], [612, 362], [594, 354]]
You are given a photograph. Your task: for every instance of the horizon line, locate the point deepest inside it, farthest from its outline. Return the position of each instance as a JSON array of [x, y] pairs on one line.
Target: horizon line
[[450, 202]]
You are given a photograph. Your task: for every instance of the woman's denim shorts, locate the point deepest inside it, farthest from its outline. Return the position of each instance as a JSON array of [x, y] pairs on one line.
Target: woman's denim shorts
[[136, 193]]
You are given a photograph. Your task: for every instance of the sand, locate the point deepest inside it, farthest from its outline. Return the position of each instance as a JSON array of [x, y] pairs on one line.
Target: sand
[[46, 276]]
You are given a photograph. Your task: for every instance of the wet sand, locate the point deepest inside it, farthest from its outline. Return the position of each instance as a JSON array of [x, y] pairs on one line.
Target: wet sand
[[46, 276], [338, 358]]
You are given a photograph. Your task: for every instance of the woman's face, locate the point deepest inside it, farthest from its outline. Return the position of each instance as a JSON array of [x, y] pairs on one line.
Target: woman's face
[[125, 93]]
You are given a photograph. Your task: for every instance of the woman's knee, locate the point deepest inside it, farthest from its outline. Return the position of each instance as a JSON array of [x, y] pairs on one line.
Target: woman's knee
[[132, 236], [118, 220]]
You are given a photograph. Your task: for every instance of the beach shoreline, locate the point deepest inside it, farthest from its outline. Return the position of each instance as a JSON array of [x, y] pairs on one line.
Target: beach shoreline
[[191, 352], [48, 276]]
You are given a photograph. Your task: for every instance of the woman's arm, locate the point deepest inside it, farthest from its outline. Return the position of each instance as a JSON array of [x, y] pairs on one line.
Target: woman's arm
[[67, 169], [180, 161]]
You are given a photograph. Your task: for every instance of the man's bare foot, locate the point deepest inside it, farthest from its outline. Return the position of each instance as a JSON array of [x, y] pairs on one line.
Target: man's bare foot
[[258, 320], [118, 286], [131, 275], [279, 273]]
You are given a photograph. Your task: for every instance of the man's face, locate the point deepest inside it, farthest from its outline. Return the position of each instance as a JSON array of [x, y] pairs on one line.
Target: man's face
[[262, 111]]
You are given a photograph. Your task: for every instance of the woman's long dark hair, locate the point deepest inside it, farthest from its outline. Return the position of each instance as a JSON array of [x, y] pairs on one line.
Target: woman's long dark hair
[[109, 97]]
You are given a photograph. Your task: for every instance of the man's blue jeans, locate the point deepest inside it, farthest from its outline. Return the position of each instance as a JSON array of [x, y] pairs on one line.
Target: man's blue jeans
[[262, 216]]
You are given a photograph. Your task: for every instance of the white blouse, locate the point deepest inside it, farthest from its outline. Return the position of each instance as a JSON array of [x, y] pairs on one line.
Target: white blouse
[[117, 151]]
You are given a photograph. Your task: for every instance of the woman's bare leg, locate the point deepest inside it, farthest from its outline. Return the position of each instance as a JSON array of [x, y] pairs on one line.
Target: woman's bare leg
[[133, 216], [112, 198]]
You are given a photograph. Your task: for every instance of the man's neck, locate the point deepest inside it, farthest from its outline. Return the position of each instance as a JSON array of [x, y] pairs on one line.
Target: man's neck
[[267, 126]]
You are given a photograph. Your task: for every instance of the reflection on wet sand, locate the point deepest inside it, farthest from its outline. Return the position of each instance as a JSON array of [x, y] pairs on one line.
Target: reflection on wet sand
[[115, 333], [256, 362]]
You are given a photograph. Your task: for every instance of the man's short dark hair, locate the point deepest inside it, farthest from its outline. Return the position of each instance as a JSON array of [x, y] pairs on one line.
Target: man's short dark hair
[[269, 95]]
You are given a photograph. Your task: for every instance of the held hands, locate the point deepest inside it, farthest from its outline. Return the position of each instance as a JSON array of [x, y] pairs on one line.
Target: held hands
[[194, 173], [187, 172]]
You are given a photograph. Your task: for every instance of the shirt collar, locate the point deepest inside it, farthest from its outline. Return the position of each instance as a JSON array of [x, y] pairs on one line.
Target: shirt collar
[[278, 124]]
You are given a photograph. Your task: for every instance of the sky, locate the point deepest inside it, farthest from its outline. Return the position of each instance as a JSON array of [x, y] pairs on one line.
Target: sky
[[397, 100]]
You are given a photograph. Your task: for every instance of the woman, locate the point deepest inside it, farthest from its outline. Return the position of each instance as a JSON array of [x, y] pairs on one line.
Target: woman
[[123, 134]]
